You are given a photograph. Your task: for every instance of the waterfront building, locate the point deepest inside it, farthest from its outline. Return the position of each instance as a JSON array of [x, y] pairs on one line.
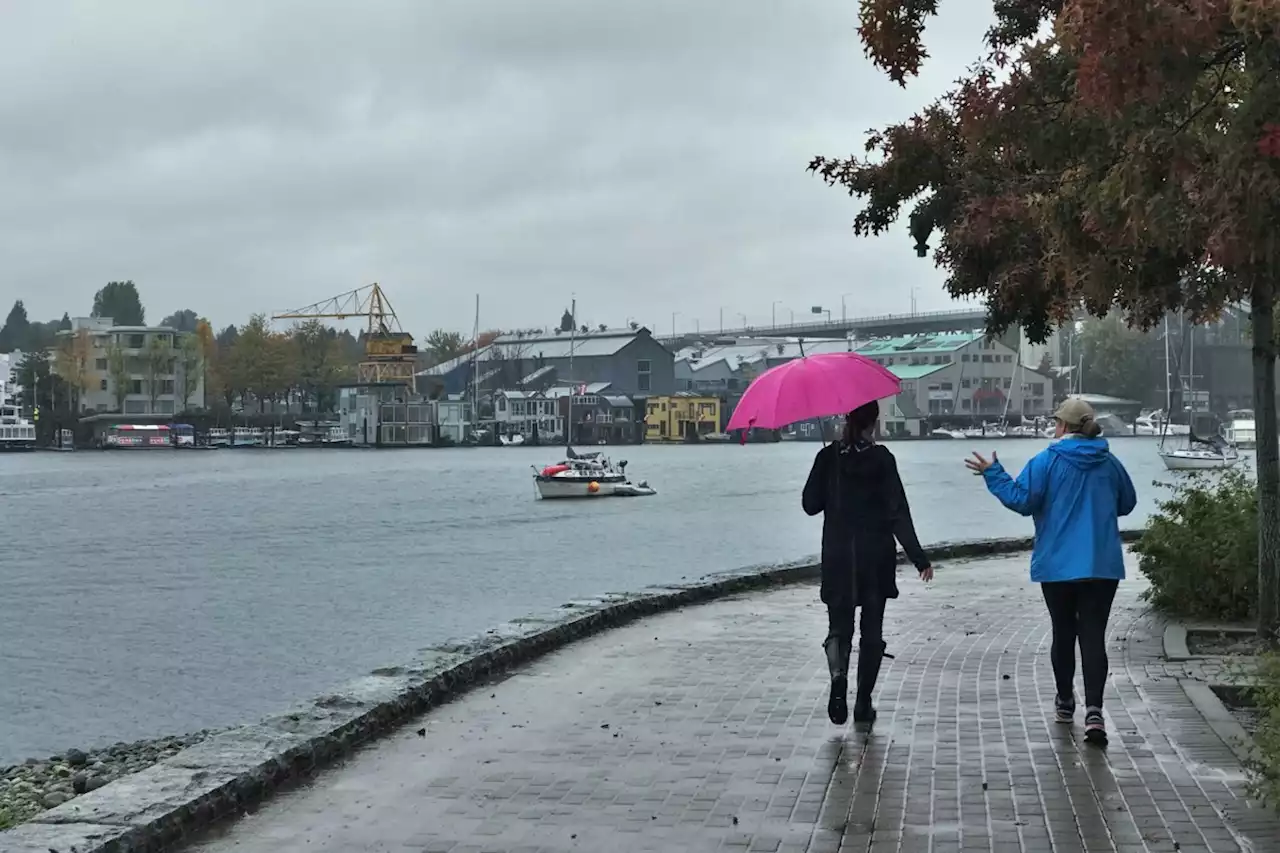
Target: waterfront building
[[148, 388], [385, 414], [529, 414], [683, 416], [964, 373], [595, 413], [452, 415], [630, 361]]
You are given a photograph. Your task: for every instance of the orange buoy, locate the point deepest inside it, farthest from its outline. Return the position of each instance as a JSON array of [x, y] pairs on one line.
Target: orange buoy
[[593, 487]]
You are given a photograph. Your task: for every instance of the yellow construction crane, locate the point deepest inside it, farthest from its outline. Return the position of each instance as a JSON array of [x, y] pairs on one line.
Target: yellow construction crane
[[389, 353]]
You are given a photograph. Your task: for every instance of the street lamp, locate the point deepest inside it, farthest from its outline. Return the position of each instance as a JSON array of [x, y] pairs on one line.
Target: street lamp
[[773, 312], [843, 316], [674, 315]]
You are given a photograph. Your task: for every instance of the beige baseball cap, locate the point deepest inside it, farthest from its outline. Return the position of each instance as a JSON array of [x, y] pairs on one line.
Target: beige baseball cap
[[1074, 412]]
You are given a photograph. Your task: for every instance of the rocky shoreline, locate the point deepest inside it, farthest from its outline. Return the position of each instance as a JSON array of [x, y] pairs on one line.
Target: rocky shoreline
[[37, 784]]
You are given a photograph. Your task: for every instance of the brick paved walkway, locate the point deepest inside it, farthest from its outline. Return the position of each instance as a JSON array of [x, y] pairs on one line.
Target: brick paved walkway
[[706, 729]]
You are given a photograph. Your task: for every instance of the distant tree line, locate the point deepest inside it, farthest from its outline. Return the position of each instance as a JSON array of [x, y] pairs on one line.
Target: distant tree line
[[250, 364]]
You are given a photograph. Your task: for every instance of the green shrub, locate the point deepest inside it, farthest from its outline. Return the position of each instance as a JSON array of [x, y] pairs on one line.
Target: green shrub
[[1200, 551], [1264, 767]]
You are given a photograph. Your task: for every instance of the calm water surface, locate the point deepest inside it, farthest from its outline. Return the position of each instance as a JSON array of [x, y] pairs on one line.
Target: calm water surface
[[157, 593]]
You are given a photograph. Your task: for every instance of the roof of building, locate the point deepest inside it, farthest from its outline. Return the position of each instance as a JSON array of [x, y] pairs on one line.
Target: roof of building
[[914, 371], [531, 346], [912, 344], [559, 391], [583, 345], [754, 351], [617, 401], [538, 375]]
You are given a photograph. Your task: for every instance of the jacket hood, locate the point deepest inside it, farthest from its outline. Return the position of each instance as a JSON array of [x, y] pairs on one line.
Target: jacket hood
[[1083, 453]]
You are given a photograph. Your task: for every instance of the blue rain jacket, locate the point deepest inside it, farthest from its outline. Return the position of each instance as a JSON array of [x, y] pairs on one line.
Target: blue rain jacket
[[1076, 491]]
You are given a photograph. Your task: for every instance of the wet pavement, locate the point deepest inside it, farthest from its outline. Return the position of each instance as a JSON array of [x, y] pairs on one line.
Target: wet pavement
[[706, 729]]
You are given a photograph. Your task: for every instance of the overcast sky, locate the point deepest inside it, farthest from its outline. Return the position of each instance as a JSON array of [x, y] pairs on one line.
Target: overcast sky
[[649, 157]]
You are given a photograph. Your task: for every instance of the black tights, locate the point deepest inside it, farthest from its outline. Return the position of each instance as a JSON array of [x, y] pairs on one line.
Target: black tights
[[1079, 611], [870, 641], [840, 619]]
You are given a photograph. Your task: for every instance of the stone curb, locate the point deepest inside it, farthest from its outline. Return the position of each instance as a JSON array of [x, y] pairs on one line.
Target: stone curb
[[1175, 639], [151, 810], [1220, 719]]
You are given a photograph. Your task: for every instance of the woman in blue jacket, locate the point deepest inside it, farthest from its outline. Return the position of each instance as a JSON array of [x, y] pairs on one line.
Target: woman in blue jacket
[[1075, 491]]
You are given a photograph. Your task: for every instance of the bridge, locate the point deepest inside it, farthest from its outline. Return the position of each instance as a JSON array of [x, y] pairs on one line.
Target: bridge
[[885, 325]]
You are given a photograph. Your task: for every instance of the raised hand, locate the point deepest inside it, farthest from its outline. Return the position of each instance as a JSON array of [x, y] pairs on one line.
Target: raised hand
[[979, 464]]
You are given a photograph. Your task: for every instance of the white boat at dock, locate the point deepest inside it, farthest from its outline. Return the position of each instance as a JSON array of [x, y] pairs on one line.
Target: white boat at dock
[[1241, 429], [16, 432]]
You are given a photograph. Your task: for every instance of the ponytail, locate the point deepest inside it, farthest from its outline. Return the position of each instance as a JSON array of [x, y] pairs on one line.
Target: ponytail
[[1090, 428]]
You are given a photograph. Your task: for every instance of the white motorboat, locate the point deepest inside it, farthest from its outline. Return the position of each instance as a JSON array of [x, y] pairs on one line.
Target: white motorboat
[[947, 433], [581, 475], [16, 432], [513, 440], [985, 431], [1241, 429]]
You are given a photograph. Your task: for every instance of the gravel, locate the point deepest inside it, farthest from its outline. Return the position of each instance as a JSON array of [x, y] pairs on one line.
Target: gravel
[[37, 784]]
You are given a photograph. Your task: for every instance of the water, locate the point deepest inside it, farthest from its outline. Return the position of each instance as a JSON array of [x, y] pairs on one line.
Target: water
[[158, 593]]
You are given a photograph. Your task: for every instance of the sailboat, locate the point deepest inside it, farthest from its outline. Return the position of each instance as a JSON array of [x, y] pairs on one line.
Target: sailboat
[[584, 475], [1201, 453]]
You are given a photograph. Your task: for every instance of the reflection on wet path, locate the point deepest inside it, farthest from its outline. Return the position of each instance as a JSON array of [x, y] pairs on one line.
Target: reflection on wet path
[[705, 729]]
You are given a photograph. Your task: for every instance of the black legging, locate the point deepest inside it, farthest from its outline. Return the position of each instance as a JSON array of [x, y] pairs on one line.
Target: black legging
[[840, 621], [1079, 611]]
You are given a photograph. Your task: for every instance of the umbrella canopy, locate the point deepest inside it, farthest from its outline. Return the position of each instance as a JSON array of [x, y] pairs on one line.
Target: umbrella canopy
[[815, 386]]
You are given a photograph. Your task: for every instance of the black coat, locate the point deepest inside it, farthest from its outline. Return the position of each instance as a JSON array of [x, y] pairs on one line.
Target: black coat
[[859, 492]]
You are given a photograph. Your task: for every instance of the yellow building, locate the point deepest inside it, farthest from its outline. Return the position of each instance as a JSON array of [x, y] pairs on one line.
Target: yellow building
[[683, 416]]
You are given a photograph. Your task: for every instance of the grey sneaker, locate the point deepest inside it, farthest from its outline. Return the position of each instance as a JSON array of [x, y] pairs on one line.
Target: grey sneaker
[[1095, 728], [1064, 710]]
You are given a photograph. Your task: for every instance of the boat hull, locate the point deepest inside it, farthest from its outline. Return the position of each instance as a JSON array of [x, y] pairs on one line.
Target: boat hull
[[574, 487], [1177, 462]]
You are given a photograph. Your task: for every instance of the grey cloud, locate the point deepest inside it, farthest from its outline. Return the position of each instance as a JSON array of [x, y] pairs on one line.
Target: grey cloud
[[649, 157]]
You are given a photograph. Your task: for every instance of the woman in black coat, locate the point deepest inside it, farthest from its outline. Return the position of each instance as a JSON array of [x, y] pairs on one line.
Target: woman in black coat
[[855, 484]]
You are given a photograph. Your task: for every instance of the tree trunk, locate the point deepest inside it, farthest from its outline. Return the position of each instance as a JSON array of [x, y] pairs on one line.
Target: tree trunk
[[1264, 402]]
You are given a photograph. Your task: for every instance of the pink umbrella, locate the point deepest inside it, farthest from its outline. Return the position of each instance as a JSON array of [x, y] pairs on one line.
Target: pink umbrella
[[815, 386]]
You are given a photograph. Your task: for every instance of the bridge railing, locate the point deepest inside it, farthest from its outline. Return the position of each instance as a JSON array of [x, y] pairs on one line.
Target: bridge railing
[[785, 329]]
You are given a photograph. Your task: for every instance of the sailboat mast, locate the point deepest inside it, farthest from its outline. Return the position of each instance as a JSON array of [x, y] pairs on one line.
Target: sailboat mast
[[573, 388], [475, 369]]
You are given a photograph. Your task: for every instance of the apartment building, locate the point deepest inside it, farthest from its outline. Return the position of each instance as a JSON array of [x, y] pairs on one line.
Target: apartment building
[[148, 381]]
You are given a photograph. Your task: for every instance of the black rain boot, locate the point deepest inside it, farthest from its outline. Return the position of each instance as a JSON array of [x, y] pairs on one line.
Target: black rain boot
[[869, 657], [838, 650]]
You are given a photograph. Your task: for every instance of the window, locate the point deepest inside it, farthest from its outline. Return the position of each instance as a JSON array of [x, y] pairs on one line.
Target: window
[[644, 374], [102, 384], [136, 341], [166, 386], [964, 383], [502, 404], [964, 404], [135, 386], [1007, 382], [100, 364], [964, 357], [1037, 389], [946, 386], [986, 359], [1007, 359]]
